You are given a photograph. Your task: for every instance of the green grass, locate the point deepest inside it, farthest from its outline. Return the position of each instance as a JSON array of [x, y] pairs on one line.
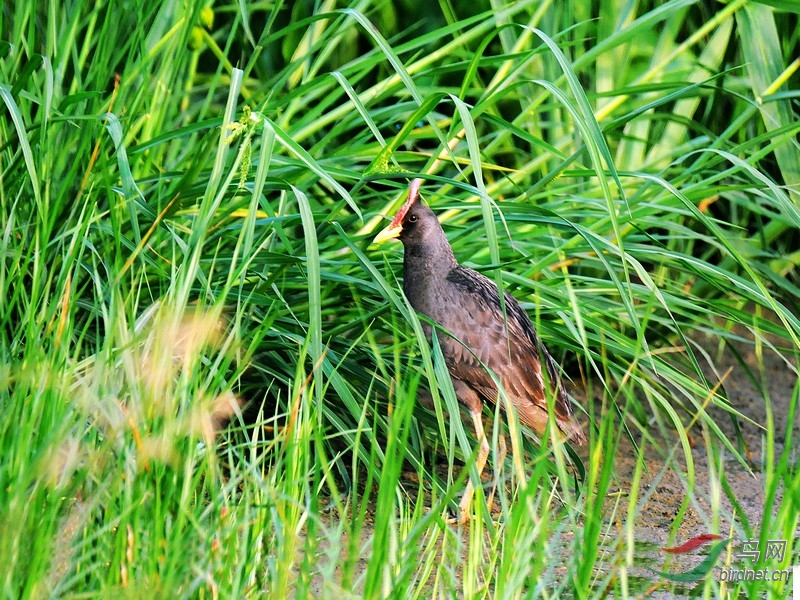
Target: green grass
[[187, 201]]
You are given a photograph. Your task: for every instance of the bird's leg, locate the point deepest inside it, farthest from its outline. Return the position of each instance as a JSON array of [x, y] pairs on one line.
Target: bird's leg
[[501, 458], [473, 402], [480, 463]]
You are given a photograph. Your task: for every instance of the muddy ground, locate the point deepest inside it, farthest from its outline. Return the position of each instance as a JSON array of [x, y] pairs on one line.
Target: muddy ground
[[664, 490]]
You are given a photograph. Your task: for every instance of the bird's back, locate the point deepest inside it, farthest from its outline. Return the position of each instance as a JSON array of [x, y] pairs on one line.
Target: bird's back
[[486, 334]]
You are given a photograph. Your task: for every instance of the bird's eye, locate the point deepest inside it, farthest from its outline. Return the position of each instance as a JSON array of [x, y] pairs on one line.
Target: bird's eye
[[412, 218]]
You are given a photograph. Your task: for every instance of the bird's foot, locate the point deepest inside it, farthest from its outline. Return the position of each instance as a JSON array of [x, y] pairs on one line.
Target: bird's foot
[[465, 515], [462, 519], [465, 506]]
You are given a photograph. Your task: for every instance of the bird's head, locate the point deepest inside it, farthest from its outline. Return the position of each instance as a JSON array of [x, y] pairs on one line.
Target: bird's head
[[414, 224]]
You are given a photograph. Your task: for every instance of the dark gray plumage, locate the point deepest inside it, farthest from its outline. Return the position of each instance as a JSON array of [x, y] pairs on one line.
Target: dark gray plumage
[[467, 305]]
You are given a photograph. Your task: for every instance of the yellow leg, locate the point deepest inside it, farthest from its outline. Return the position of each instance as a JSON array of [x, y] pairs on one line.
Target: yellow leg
[[480, 463], [502, 450]]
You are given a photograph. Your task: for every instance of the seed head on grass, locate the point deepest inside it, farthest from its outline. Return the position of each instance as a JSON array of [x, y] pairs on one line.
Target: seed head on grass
[[158, 389]]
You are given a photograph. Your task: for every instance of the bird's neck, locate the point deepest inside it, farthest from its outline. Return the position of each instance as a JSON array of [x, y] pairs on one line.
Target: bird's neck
[[425, 268]]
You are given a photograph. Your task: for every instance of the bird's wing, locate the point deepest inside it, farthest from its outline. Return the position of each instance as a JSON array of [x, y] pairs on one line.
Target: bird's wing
[[507, 345]]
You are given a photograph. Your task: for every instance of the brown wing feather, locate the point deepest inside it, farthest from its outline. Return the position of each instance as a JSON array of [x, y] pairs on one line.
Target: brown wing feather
[[506, 345]]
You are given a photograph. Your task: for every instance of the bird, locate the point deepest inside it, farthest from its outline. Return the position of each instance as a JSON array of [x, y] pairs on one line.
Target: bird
[[478, 335]]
